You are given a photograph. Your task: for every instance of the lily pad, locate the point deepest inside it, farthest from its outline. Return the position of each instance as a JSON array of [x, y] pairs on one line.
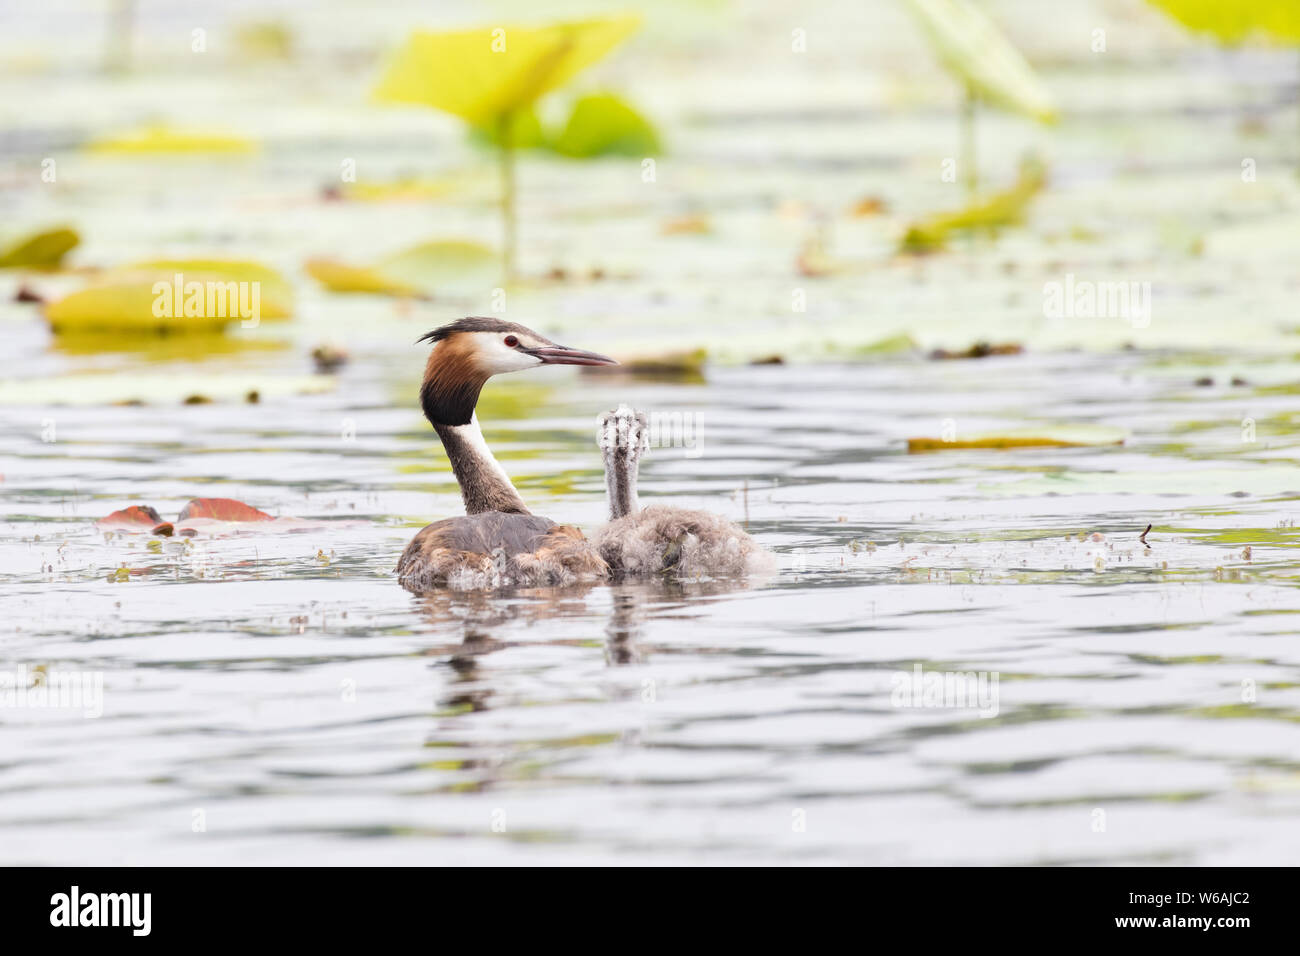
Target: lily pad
[[439, 266], [1047, 436], [149, 300], [1233, 22]]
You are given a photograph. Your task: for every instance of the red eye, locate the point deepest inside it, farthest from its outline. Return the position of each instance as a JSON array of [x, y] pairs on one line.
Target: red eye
[[511, 341]]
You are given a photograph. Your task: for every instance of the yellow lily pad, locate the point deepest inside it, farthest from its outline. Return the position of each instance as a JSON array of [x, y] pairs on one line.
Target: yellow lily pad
[[1233, 21], [438, 266], [271, 281], [979, 55], [160, 138], [149, 302], [1047, 436], [41, 250], [492, 71]]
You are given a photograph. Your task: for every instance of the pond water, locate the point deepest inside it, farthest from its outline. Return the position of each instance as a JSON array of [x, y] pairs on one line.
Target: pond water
[[278, 698]]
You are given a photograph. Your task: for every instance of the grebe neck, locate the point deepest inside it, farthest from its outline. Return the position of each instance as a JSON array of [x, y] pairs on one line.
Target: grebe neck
[[620, 485], [484, 484]]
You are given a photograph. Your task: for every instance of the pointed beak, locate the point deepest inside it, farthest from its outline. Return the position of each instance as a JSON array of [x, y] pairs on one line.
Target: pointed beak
[[559, 355]]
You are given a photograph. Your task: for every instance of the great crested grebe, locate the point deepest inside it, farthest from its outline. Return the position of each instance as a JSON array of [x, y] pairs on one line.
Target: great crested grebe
[[660, 538], [498, 542]]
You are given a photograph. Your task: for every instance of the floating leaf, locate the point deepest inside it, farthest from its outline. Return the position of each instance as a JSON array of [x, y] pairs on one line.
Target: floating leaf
[[439, 266], [1048, 436], [602, 124], [160, 138], [1233, 21], [980, 56], [41, 250], [1001, 209], [221, 509], [488, 72]]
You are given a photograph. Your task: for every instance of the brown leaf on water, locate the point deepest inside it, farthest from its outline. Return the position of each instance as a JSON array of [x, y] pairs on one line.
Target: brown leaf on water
[[222, 509], [164, 530], [136, 516]]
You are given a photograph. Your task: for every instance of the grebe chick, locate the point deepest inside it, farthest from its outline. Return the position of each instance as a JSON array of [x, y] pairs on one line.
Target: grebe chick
[[661, 538], [498, 542]]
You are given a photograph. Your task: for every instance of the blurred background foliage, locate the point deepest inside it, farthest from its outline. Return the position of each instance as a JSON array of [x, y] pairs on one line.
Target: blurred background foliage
[[746, 180]]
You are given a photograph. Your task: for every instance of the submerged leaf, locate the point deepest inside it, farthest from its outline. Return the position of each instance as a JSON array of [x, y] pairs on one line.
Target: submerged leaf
[[980, 56], [489, 72], [1047, 436], [603, 124], [439, 266], [41, 250]]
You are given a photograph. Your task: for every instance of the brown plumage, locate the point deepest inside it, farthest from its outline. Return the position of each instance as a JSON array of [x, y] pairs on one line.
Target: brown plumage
[[497, 549], [662, 539], [498, 543]]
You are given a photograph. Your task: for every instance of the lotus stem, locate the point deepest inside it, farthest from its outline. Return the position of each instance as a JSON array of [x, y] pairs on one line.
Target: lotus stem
[[970, 170], [504, 135]]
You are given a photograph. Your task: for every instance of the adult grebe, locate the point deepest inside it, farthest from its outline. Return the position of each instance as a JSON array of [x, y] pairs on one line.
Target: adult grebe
[[498, 543], [660, 538]]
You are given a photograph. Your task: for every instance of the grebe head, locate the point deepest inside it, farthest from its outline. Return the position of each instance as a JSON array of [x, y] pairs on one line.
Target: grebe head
[[624, 434], [623, 437], [467, 352]]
